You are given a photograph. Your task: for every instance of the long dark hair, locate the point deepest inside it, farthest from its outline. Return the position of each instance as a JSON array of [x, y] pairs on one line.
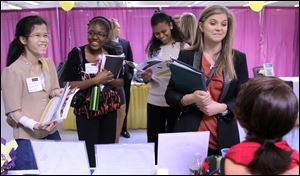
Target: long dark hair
[[154, 44], [267, 108], [24, 28]]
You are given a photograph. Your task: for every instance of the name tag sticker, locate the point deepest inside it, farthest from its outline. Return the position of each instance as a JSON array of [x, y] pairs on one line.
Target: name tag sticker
[[34, 84], [91, 68]]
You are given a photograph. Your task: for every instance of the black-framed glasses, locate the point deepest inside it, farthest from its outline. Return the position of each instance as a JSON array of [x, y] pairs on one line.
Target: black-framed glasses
[[98, 34]]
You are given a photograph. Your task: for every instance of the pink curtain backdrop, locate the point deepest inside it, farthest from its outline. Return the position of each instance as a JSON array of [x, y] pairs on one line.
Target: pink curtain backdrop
[[271, 36]]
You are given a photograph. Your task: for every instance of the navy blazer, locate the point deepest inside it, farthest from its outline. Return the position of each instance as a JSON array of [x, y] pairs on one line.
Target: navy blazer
[[128, 71], [228, 96]]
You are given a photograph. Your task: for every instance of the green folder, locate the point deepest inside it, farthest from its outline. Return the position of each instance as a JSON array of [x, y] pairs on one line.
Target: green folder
[[186, 78]]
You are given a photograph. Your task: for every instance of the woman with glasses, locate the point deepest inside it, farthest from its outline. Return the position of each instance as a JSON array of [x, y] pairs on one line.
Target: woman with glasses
[[28, 82], [100, 129]]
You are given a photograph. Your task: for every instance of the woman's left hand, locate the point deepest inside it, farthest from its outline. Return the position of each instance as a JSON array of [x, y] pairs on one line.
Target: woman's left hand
[[212, 108], [58, 92]]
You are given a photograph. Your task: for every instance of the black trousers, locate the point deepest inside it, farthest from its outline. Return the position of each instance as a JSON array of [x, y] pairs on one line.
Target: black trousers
[[159, 120], [101, 130], [127, 85]]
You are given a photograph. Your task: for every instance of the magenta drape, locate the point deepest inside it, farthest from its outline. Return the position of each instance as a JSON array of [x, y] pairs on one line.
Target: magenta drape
[[271, 36]]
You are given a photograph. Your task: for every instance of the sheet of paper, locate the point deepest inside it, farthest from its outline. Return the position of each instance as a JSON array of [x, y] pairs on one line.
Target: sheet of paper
[[176, 150], [61, 157], [125, 159], [148, 63], [160, 69]]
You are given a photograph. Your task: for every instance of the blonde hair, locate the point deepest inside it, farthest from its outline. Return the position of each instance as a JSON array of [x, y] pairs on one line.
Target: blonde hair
[[114, 23], [188, 26], [226, 54]]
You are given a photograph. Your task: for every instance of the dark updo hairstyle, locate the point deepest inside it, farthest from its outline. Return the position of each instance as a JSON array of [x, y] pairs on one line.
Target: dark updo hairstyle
[[154, 44], [24, 28], [267, 108], [103, 22]]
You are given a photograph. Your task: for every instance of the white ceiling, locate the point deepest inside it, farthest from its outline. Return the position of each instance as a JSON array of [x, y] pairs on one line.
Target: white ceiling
[[8, 5]]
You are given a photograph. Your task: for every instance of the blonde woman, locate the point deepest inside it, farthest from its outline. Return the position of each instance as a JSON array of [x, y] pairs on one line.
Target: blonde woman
[[225, 70], [124, 92], [188, 26]]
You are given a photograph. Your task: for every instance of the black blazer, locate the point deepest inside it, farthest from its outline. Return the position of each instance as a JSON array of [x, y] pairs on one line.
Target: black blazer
[[191, 116], [128, 71]]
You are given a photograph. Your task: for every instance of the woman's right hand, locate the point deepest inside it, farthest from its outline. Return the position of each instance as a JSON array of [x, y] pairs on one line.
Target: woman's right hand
[[147, 75], [103, 77], [50, 126]]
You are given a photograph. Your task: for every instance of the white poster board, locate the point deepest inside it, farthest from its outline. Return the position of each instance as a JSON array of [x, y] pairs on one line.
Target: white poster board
[[176, 150], [61, 157], [125, 159]]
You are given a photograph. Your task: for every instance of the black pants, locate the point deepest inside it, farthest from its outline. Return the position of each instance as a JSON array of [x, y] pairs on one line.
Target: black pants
[[101, 130], [127, 85], [159, 120]]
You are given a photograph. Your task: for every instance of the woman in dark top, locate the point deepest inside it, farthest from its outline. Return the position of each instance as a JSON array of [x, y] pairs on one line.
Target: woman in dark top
[[101, 129], [224, 68]]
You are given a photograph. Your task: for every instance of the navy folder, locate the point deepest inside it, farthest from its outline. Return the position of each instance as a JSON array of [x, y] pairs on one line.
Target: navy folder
[[186, 78]]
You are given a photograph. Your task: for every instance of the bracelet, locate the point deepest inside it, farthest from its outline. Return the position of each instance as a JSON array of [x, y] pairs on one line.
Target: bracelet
[[224, 113]]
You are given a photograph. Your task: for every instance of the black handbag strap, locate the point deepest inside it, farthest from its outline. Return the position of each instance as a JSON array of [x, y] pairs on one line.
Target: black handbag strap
[[213, 70], [78, 49], [197, 65], [211, 75]]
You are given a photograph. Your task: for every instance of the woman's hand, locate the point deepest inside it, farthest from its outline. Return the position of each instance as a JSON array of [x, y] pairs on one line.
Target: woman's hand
[[37, 126], [202, 98], [206, 104], [213, 108], [58, 92], [50, 126], [147, 75], [103, 77]]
